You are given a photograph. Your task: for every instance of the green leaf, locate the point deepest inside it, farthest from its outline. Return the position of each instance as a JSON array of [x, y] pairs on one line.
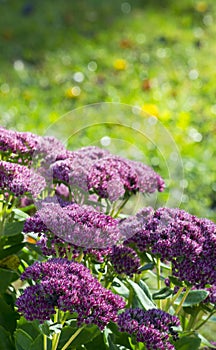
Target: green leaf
[[145, 289], [192, 310], [5, 340], [13, 228], [148, 266], [30, 327], [188, 343], [120, 338], [194, 297], [119, 287], [23, 340], [20, 215], [162, 293], [6, 278], [45, 328], [37, 343], [96, 343], [205, 342], [11, 250], [108, 340], [141, 296], [175, 281], [85, 336], [8, 316]]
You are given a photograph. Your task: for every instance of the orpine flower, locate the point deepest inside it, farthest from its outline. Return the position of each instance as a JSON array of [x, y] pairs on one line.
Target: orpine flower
[[68, 286], [125, 260], [185, 240], [21, 147], [115, 177], [153, 327], [79, 225], [19, 180], [73, 166], [51, 245]]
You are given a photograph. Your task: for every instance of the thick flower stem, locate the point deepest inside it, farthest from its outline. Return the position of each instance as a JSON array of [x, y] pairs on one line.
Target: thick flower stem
[[80, 257], [45, 342], [121, 207], [203, 322], [56, 336], [158, 269], [72, 338], [182, 301], [192, 320], [171, 303]]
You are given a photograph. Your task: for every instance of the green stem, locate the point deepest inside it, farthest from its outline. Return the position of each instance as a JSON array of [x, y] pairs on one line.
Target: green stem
[[121, 207], [182, 301], [203, 322], [72, 338], [158, 269], [192, 320], [80, 257], [27, 208], [45, 342], [171, 303], [56, 337]]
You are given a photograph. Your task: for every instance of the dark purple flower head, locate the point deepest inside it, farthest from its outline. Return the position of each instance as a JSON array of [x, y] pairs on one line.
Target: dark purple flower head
[[51, 245], [113, 177], [153, 327], [124, 260], [69, 286], [73, 167], [79, 225], [20, 180], [92, 152], [148, 180], [15, 144], [188, 242], [22, 147]]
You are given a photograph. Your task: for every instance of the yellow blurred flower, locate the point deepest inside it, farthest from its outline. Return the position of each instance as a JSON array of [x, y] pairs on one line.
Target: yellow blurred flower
[[151, 109], [73, 92], [120, 64], [183, 120], [165, 115], [27, 95], [201, 6]]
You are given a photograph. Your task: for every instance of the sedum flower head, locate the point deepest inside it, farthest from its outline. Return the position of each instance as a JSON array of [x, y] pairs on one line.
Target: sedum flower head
[[115, 177], [18, 179], [153, 327], [185, 240], [22, 146], [69, 286], [125, 260], [79, 225]]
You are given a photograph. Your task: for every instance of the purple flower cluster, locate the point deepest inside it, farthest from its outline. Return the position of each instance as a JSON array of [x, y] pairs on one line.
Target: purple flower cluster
[[153, 327], [16, 144], [21, 146], [69, 286], [19, 180], [51, 245], [72, 167], [124, 260], [113, 177], [188, 242], [96, 170], [79, 225]]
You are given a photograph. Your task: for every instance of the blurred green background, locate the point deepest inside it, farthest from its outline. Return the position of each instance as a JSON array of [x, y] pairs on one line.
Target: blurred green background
[[160, 56]]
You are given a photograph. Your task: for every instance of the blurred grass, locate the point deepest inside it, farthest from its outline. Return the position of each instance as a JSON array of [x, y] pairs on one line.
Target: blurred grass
[[157, 55]]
